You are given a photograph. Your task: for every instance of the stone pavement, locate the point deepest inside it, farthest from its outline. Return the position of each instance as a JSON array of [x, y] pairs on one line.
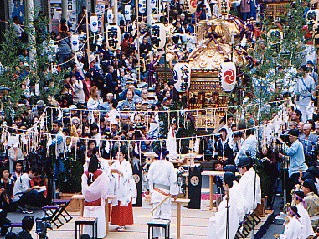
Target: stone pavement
[[194, 224]]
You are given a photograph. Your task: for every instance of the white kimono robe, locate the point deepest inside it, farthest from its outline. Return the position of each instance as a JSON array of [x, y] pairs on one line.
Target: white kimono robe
[[246, 184], [292, 230], [171, 144], [97, 190], [162, 172], [217, 223], [306, 230], [125, 187]]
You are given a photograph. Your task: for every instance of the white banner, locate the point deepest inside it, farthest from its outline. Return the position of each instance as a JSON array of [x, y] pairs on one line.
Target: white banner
[[228, 75], [182, 76]]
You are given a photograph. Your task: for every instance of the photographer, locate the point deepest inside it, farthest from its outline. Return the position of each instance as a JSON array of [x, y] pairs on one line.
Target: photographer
[[297, 160]]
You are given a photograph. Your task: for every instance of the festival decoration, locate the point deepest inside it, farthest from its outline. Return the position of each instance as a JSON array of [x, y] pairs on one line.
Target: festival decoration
[[192, 5], [127, 12], [158, 35], [94, 24], [153, 4], [75, 42], [142, 6], [182, 76], [109, 16], [228, 75], [313, 15], [113, 37]]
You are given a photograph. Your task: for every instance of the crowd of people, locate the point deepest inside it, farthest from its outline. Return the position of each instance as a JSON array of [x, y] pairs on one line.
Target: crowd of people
[[105, 108]]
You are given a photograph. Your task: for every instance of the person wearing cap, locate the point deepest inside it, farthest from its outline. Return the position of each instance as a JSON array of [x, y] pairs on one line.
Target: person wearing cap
[[293, 227], [311, 201], [305, 88], [95, 188], [218, 223], [162, 181], [249, 182], [130, 86], [297, 160], [306, 230]]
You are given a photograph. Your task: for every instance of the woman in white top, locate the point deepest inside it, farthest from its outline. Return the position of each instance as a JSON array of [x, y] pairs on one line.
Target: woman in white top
[[95, 99]]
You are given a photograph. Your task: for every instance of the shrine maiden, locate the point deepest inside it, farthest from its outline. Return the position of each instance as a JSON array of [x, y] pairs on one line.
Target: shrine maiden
[[95, 186], [125, 190]]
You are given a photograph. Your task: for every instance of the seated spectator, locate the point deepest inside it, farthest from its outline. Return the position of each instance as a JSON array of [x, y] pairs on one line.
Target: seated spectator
[[6, 184], [18, 170], [24, 195], [27, 225]]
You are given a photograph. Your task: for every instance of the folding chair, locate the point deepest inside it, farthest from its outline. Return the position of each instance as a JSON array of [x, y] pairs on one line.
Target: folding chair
[[54, 213]]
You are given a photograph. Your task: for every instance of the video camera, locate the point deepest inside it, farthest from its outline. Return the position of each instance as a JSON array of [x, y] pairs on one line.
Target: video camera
[[41, 227]]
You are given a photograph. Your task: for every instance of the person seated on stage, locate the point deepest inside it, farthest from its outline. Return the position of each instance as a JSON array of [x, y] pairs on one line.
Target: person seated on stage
[[18, 170], [27, 225], [125, 191], [311, 200], [247, 183], [229, 211], [224, 148], [24, 195], [304, 217], [293, 227], [162, 179], [95, 187], [6, 186]]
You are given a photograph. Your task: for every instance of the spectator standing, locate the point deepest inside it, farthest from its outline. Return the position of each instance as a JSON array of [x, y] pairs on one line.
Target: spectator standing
[[309, 141], [305, 88]]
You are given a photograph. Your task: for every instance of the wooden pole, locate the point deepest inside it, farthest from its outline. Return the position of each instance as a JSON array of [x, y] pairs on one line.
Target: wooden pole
[[87, 35]]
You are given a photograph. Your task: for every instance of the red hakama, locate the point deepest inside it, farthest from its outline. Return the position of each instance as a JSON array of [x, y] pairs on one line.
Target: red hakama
[[122, 215]]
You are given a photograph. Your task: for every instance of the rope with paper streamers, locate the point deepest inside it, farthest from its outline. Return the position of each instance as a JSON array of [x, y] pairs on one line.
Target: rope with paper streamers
[[120, 140], [168, 111]]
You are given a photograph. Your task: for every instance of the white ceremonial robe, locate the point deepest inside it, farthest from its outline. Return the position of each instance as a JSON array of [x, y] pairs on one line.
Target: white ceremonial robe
[[306, 230], [247, 183], [217, 223], [98, 189], [107, 169], [162, 172], [171, 144], [125, 187], [292, 230]]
